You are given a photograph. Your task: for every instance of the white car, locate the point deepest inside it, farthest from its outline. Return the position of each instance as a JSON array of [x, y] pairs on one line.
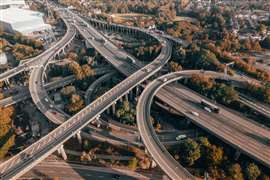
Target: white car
[[164, 79], [148, 70], [46, 100], [181, 137], [207, 109], [195, 113]]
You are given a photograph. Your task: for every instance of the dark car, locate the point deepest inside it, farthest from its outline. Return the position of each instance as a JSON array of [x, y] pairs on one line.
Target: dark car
[[116, 176]]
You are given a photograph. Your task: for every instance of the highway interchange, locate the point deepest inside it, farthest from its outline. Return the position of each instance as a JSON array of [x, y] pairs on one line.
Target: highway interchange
[[239, 136]]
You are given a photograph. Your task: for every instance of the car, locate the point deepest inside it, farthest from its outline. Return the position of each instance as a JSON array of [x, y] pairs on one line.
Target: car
[[181, 137], [207, 109], [46, 100], [195, 113], [148, 70], [116, 176], [164, 79], [51, 106]]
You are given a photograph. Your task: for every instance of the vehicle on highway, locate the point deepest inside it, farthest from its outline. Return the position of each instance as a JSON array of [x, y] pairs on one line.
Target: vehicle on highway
[[181, 137], [116, 176], [148, 70], [207, 109], [210, 106], [164, 80], [194, 113]]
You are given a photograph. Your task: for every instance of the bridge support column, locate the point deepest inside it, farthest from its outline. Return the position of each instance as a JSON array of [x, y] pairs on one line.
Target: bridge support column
[[113, 108], [79, 137], [45, 77], [137, 91], [131, 95], [153, 164], [121, 99], [146, 151], [62, 152], [186, 80], [108, 111], [126, 97], [187, 122], [7, 82], [237, 154]]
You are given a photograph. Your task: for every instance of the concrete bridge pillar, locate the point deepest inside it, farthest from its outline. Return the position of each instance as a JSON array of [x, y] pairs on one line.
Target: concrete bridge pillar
[[63, 51], [186, 80], [131, 94], [137, 91], [44, 77], [7, 82], [113, 108], [153, 164], [237, 154], [62, 152], [108, 110], [187, 122], [126, 97], [145, 150], [121, 99], [79, 137]]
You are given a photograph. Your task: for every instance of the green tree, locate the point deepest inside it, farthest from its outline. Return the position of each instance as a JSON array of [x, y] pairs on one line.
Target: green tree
[[133, 163], [235, 172], [252, 171], [7, 137], [214, 155], [174, 66], [266, 42], [225, 94], [189, 151]]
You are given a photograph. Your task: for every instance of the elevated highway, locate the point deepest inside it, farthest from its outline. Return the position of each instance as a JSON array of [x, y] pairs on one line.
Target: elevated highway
[[25, 94], [91, 88], [25, 160], [243, 135]]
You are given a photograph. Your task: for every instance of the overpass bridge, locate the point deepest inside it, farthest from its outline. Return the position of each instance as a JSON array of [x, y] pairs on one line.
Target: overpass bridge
[[241, 134]]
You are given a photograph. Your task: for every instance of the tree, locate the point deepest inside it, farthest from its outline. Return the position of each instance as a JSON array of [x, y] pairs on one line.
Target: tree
[[67, 91], [190, 151], [225, 94], [214, 155], [174, 66], [252, 171], [87, 71], [266, 42], [7, 137], [133, 163], [235, 172], [126, 114], [86, 145], [75, 104]]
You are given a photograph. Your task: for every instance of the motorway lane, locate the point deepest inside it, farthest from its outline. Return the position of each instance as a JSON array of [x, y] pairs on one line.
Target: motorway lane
[[92, 87], [225, 115], [71, 171]]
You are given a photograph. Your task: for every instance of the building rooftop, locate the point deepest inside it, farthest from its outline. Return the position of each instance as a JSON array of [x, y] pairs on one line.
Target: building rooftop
[[12, 2], [13, 15], [3, 58], [23, 20]]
